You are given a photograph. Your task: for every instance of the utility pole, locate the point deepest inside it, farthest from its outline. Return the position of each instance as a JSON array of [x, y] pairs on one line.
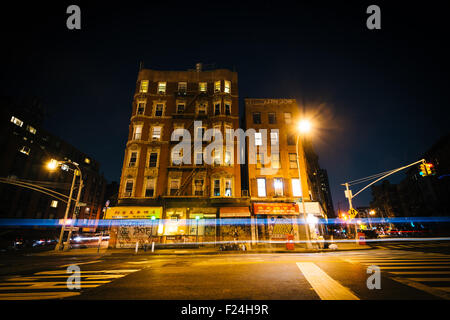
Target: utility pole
[[58, 245]]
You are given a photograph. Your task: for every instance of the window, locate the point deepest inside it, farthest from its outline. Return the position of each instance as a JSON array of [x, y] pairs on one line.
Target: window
[[128, 188], [228, 133], [216, 158], [202, 86], [274, 138], [180, 107], [261, 184], [144, 86], [227, 158], [150, 188], [228, 190], [137, 132], [258, 139], [227, 88], [293, 160], [133, 159], [216, 190], [162, 87], [199, 157], [174, 186], [25, 150], [217, 86], [227, 108], [156, 133], [201, 108], [272, 118], [177, 157], [296, 188], [198, 187], [257, 117], [278, 186], [291, 139], [87, 160], [287, 117], [217, 109], [31, 129], [276, 161], [16, 121], [153, 160], [54, 204], [182, 87], [140, 107], [159, 109], [259, 161]]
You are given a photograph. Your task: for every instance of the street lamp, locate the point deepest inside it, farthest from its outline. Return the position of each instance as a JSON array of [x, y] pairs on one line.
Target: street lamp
[[304, 127], [52, 165]]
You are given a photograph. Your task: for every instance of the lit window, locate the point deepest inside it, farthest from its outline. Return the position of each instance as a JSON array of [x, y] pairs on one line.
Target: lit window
[[150, 188], [137, 132], [16, 121], [87, 160], [161, 87], [259, 162], [296, 188], [292, 160], [227, 88], [261, 183], [258, 139], [25, 150], [133, 159], [217, 188], [278, 186], [202, 86], [54, 204], [198, 187], [287, 117], [216, 157], [274, 138], [276, 161], [128, 188], [182, 87], [159, 110], [144, 86], [174, 186], [257, 117], [228, 192], [140, 107], [217, 86], [272, 118], [228, 158], [228, 133], [31, 129], [153, 160], [156, 133]]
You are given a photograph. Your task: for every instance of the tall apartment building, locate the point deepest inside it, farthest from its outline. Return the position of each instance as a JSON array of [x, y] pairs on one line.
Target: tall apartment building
[[276, 183], [188, 201]]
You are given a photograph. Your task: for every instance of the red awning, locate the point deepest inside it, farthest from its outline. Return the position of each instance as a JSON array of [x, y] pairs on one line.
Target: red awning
[[234, 212]]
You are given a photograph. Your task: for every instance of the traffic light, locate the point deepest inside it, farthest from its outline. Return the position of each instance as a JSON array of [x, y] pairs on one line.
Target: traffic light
[[430, 169], [423, 170]]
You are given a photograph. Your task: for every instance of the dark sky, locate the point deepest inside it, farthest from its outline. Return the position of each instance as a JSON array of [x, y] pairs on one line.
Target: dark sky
[[379, 97]]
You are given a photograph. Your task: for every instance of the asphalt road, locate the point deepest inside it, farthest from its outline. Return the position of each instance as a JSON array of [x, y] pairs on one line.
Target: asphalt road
[[405, 274]]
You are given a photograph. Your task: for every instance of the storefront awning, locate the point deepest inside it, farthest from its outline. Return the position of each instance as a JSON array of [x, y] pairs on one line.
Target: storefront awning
[[234, 212], [133, 213], [275, 208]]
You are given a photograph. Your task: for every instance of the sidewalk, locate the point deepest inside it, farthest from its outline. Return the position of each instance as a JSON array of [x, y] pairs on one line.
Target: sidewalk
[[196, 251]]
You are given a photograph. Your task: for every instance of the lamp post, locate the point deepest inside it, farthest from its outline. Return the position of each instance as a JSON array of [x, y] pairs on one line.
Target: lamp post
[[52, 165], [304, 126]]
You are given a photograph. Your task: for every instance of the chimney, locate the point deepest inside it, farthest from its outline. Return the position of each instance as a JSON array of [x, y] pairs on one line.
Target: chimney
[[198, 66]]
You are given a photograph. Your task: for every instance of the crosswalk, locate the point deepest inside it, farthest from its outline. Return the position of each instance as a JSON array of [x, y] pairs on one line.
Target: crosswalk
[[412, 245], [52, 284], [423, 271]]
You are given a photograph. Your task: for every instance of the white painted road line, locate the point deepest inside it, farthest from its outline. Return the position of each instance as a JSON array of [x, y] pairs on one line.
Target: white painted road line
[[37, 295], [79, 263], [326, 287], [431, 290]]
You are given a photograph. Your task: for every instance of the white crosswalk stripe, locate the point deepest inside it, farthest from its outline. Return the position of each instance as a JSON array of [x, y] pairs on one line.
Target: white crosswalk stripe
[[423, 271], [52, 284]]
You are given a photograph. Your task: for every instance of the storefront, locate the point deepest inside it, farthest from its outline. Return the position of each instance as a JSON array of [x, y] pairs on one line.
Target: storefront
[[276, 220], [134, 224], [236, 224], [313, 215]]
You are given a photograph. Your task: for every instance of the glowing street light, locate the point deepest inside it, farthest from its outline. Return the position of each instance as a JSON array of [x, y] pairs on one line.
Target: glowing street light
[[304, 126], [372, 212], [52, 164]]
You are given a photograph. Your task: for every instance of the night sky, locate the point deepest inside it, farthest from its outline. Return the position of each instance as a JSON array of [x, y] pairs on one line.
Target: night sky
[[379, 98]]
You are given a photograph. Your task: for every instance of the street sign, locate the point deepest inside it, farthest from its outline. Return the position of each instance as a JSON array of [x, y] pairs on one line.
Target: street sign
[[348, 194], [352, 212]]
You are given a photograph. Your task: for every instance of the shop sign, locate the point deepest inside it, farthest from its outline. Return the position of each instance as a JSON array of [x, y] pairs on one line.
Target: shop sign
[[275, 208], [133, 212]]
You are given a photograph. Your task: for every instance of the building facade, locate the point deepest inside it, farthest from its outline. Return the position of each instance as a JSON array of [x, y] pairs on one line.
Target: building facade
[[26, 149], [188, 190]]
